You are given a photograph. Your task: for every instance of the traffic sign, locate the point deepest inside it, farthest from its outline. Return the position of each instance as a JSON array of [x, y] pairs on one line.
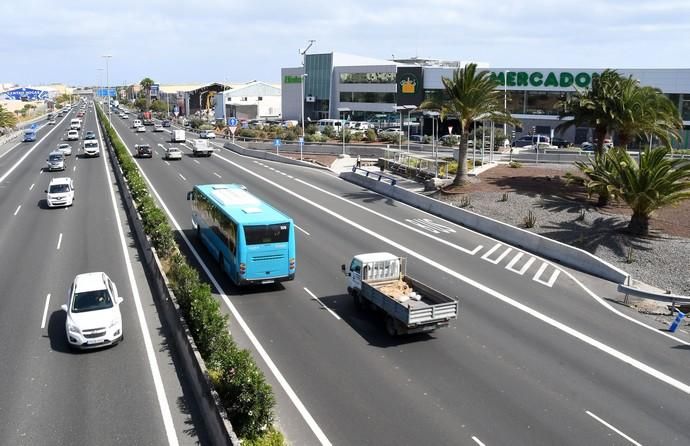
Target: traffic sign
[[277, 142], [232, 122], [301, 140], [176, 111]]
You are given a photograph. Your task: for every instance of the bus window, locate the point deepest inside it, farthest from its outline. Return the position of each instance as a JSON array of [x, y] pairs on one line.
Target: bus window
[[257, 235]]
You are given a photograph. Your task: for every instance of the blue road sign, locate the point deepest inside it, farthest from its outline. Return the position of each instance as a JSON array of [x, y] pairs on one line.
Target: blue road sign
[[232, 122], [277, 142], [301, 140]]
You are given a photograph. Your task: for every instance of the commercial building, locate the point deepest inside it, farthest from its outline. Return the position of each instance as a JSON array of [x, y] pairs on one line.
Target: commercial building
[[341, 86], [254, 100]]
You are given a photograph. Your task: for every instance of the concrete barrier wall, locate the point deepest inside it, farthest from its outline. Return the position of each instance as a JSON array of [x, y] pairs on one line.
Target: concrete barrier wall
[[263, 154], [529, 241], [212, 415]]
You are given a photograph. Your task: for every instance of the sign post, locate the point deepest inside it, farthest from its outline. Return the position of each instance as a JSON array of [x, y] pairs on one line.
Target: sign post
[[301, 146], [232, 125], [277, 143]]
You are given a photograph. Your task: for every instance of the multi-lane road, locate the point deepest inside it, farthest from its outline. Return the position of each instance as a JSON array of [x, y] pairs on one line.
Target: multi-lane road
[[128, 394], [538, 354]]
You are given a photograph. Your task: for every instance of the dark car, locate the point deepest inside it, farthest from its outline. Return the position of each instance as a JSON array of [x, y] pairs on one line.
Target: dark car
[[89, 135], [560, 142], [166, 123], [143, 151], [530, 140]]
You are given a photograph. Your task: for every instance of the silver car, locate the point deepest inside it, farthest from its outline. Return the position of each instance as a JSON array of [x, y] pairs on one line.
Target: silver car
[[55, 161]]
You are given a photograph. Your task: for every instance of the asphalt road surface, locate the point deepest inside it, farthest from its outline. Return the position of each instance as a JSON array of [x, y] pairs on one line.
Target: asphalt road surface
[[537, 356]]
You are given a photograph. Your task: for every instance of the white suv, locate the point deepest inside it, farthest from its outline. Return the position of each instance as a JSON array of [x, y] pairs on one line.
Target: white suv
[[91, 148], [93, 312], [73, 135], [60, 192]]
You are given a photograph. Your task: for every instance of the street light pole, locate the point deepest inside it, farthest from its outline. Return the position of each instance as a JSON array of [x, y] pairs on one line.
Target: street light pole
[[343, 110], [304, 78], [107, 84], [505, 104]]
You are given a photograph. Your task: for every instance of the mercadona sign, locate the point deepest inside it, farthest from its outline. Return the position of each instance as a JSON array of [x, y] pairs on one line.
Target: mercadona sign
[[543, 79]]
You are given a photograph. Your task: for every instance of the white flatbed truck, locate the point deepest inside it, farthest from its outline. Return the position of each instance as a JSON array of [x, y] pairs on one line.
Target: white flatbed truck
[[378, 281]]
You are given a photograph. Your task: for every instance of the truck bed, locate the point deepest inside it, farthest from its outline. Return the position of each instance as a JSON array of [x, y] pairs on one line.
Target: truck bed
[[433, 306]]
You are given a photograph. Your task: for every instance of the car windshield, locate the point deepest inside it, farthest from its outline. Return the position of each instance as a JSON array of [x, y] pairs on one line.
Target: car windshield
[[58, 188], [91, 300], [55, 158]]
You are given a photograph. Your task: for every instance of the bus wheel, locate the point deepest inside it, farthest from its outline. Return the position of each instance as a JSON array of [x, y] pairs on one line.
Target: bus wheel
[[198, 231], [221, 262]]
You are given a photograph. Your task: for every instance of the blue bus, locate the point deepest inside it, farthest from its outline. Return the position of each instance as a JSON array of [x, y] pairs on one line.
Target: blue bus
[[29, 135], [252, 241]]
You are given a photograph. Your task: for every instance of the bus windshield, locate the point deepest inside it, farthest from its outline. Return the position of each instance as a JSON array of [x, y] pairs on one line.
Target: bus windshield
[[261, 234]]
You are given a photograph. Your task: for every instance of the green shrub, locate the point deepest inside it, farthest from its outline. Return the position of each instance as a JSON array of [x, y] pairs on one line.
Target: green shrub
[[271, 437], [515, 164], [371, 135], [329, 131]]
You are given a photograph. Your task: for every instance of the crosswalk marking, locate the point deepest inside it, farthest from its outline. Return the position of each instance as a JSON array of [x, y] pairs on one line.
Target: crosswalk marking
[[524, 268], [511, 266], [549, 283]]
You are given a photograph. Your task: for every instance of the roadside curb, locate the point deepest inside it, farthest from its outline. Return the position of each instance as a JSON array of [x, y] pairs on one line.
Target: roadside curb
[[213, 416], [270, 156]]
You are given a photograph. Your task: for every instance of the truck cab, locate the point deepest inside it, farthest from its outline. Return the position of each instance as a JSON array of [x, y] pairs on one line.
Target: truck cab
[[372, 266]]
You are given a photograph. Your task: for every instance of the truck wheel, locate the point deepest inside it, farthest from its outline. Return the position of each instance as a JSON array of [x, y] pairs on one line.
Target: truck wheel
[[390, 326], [357, 299]]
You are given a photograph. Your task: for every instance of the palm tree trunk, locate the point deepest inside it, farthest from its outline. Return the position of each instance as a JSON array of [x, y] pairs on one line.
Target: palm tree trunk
[[461, 174], [600, 136], [639, 224]]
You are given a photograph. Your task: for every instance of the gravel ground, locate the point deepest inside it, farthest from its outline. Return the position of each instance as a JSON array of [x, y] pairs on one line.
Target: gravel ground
[[659, 260]]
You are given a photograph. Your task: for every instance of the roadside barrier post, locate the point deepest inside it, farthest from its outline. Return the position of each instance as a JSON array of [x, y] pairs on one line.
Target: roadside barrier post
[[676, 322]]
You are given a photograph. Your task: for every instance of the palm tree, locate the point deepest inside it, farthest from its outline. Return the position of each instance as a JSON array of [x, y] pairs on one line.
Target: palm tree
[[597, 107], [656, 182], [646, 112], [7, 118], [472, 96], [146, 84]]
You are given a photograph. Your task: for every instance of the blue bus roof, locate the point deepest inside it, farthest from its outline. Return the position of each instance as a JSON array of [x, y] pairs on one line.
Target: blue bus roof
[[241, 206]]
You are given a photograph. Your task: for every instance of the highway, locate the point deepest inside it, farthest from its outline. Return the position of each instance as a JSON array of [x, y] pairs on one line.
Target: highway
[[537, 356], [127, 394]]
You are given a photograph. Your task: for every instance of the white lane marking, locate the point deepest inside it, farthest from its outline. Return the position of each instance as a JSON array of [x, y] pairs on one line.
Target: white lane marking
[[499, 258], [302, 230], [549, 283], [282, 173], [476, 440], [313, 296], [540, 271], [618, 431], [166, 162], [17, 211], [291, 177], [301, 408], [197, 161], [74, 168], [183, 178], [59, 241], [32, 186], [488, 253], [45, 311], [11, 149], [524, 268], [499, 296], [216, 175], [378, 214], [153, 363]]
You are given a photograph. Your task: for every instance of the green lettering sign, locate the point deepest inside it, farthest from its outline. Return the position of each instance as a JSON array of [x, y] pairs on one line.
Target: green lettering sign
[[551, 80], [292, 79], [566, 79], [511, 78], [521, 79], [535, 79], [583, 80]]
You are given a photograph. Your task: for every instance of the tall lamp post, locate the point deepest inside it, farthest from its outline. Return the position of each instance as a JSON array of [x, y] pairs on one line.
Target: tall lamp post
[[107, 84], [341, 111], [304, 75], [505, 103], [100, 79], [303, 80]]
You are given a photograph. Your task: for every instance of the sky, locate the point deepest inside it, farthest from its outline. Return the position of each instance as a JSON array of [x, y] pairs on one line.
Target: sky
[[176, 42]]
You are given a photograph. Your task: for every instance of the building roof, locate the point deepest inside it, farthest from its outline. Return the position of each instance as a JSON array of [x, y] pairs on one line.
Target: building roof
[[351, 60], [253, 88]]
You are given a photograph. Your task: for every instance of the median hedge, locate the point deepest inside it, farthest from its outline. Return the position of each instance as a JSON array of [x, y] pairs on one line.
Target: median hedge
[[240, 383]]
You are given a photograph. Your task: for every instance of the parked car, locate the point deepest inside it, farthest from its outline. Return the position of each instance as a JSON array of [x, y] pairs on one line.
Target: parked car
[[560, 142], [530, 140], [143, 151], [60, 192], [65, 148], [93, 312], [173, 153], [55, 161]]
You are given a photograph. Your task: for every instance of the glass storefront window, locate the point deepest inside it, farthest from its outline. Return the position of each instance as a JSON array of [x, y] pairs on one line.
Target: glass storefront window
[[370, 97], [543, 102], [685, 107], [367, 78]]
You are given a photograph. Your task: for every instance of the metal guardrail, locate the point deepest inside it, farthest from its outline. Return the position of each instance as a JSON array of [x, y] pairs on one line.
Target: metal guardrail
[[377, 175], [652, 295]]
